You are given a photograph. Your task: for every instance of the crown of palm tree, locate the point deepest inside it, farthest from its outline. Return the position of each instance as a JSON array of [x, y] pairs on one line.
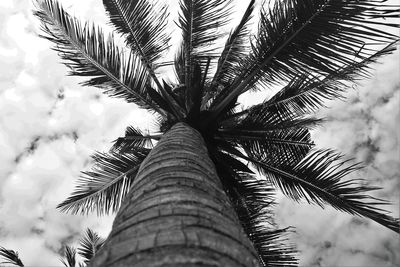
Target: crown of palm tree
[[312, 49]]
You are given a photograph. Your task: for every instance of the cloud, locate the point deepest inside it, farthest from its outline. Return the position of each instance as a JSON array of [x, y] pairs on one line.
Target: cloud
[[49, 126], [364, 126]]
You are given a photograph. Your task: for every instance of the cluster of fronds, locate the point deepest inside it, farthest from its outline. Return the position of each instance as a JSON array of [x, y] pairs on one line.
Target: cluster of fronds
[[89, 244], [312, 49]]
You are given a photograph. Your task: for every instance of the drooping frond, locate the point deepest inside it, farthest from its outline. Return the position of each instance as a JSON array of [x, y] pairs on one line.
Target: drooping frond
[[264, 132], [318, 179], [87, 52], [10, 257], [307, 93], [234, 51], [317, 36], [268, 116], [199, 21], [252, 200], [103, 188], [280, 145], [133, 138], [273, 246], [264, 118], [89, 245], [69, 259]]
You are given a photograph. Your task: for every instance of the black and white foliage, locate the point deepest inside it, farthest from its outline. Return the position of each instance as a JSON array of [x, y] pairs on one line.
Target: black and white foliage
[[312, 49]]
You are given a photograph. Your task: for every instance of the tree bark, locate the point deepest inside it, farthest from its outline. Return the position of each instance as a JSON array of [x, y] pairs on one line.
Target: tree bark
[[177, 213]]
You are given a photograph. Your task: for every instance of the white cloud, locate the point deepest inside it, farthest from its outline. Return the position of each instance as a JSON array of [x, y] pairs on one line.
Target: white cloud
[[33, 182], [365, 126]]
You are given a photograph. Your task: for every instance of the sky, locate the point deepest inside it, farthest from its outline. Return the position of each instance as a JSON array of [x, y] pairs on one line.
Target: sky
[[50, 125]]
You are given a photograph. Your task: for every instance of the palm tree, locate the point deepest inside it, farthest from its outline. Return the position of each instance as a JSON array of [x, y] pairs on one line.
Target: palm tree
[[194, 198]]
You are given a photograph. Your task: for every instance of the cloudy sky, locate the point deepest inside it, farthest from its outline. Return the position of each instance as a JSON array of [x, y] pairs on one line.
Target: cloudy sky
[[49, 126]]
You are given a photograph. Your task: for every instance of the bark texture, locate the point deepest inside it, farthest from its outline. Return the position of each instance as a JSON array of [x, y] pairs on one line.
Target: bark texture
[[177, 213]]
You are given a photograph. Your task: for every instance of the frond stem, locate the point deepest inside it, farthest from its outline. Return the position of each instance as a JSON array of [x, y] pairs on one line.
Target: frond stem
[[188, 59], [154, 137], [271, 140]]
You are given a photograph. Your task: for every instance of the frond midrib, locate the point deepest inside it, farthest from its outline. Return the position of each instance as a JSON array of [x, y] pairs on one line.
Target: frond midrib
[[102, 68], [137, 45]]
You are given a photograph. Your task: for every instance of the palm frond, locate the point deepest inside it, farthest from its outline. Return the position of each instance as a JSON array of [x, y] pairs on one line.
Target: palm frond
[[89, 245], [194, 92], [273, 246], [234, 51], [199, 21], [322, 36], [179, 64], [270, 115], [281, 145], [133, 138], [69, 259], [144, 26], [10, 257], [227, 158], [87, 52], [252, 200], [261, 118], [103, 188], [306, 93], [317, 36], [318, 179]]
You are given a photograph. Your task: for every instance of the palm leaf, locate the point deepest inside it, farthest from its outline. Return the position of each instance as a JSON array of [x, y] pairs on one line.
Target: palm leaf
[[89, 245], [318, 36], [199, 21], [269, 115], [88, 53], [134, 138], [105, 186], [260, 118], [306, 93], [10, 257], [69, 259], [272, 246], [318, 179], [252, 200], [180, 65], [322, 36], [144, 26], [234, 51], [280, 145]]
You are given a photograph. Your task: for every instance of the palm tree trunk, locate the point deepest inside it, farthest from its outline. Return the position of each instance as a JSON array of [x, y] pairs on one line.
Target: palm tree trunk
[[176, 213]]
